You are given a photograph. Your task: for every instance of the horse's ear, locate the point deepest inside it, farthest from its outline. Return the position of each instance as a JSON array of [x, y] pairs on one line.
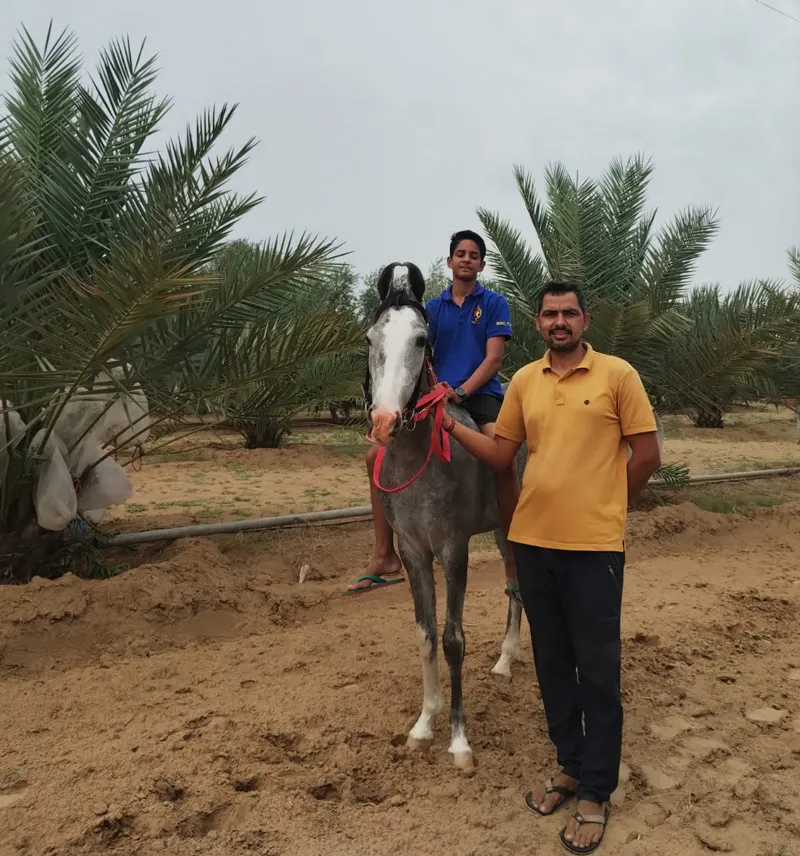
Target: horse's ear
[[415, 280], [385, 280]]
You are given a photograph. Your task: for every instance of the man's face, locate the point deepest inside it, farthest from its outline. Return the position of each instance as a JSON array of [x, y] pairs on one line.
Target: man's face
[[562, 322], [466, 262]]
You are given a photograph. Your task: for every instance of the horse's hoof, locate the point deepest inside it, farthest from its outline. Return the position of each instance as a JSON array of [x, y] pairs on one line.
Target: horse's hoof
[[420, 744], [465, 761], [503, 675]]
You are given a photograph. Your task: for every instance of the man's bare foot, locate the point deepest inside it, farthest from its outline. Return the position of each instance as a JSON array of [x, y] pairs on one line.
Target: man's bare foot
[[387, 566], [549, 796], [584, 837]]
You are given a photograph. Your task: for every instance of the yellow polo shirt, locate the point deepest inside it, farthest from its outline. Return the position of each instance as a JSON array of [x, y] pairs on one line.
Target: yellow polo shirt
[[575, 486]]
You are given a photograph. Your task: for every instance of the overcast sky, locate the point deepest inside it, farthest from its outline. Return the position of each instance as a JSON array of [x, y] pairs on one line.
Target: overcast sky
[[387, 124]]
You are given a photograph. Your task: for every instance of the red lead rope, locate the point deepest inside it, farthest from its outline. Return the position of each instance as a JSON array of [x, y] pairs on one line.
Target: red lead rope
[[440, 439]]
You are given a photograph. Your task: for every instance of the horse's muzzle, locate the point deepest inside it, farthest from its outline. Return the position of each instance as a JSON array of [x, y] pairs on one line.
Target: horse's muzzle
[[385, 426]]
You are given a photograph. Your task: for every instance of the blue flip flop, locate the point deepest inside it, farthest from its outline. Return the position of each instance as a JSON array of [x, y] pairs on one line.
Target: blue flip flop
[[377, 583], [513, 591]]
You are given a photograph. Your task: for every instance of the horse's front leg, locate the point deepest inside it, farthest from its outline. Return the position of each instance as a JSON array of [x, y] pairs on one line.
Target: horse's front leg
[[419, 564], [509, 651], [455, 558]]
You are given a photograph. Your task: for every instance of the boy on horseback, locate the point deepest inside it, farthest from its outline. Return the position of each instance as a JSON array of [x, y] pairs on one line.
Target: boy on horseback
[[469, 326]]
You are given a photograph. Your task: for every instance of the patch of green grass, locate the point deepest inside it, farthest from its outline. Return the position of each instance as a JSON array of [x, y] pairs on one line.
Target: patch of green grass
[[242, 512], [313, 493], [349, 450], [182, 503], [210, 513], [245, 475], [731, 506], [241, 499], [752, 464], [179, 458], [135, 507]]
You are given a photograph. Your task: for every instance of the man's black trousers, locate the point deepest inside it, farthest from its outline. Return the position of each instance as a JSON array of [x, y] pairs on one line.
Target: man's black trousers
[[573, 601]]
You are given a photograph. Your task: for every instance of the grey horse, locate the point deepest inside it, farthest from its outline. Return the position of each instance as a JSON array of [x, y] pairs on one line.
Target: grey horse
[[438, 513]]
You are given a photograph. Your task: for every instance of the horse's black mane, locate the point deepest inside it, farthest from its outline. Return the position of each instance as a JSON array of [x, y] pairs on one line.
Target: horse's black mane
[[396, 298]]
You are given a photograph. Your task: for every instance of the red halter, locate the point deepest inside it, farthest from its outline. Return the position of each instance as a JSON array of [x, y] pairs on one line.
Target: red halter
[[434, 400]]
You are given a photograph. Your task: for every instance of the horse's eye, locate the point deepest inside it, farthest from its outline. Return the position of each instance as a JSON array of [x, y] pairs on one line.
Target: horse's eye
[[422, 341]]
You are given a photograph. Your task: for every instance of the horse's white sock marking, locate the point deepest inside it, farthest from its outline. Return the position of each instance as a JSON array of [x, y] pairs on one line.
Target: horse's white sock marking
[[459, 745], [510, 648], [400, 329], [432, 702], [462, 751]]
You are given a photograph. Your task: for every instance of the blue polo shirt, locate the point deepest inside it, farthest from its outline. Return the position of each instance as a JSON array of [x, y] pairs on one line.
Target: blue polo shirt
[[459, 334]]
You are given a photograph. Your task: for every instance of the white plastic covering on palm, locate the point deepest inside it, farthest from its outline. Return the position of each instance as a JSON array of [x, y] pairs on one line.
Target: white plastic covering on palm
[[54, 496], [83, 428], [104, 485], [86, 424], [128, 419], [11, 426]]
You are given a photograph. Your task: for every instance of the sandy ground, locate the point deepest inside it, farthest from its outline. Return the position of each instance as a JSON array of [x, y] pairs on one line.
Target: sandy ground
[[205, 702]]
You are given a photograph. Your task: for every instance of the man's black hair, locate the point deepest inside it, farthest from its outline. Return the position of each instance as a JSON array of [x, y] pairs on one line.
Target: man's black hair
[[559, 287], [467, 235]]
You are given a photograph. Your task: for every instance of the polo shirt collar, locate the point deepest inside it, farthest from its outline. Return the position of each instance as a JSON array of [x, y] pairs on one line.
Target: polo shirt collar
[[448, 293], [586, 363]]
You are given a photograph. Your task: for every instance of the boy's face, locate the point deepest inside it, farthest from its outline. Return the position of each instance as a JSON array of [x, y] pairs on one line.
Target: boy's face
[[466, 262]]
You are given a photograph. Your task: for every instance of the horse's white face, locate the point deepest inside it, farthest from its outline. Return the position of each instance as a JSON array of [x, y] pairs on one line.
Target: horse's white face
[[396, 358]]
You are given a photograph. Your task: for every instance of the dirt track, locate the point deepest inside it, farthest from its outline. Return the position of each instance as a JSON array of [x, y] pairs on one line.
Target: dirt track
[[207, 703]]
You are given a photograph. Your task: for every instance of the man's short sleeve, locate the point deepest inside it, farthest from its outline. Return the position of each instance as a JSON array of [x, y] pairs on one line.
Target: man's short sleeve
[[510, 422], [633, 406], [498, 317]]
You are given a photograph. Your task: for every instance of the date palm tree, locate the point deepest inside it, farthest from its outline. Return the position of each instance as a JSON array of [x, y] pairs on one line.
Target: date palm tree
[[698, 350], [600, 234], [107, 284]]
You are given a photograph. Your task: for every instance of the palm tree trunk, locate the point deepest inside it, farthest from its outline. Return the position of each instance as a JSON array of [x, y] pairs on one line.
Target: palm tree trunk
[[710, 418], [24, 556], [265, 434]]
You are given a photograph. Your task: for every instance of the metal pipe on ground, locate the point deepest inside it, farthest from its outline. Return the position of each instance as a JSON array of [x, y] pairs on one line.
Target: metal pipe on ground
[[741, 476], [338, 515], [353, 515]]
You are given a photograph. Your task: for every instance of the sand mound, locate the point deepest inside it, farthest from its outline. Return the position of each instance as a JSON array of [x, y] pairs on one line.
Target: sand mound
[[190, 594]]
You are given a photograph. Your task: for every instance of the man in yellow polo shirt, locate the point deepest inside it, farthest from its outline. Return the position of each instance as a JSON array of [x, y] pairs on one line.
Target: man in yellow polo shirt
[[580, 412]]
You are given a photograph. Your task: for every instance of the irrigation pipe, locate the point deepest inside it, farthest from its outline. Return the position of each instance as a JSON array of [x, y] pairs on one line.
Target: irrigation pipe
[[353, 515]]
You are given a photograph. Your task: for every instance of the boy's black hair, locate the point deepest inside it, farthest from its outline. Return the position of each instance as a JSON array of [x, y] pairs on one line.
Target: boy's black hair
[[467, 235]]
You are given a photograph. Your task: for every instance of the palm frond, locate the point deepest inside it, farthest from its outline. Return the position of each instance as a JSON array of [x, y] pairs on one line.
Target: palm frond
[[673, 476], [794, 264]]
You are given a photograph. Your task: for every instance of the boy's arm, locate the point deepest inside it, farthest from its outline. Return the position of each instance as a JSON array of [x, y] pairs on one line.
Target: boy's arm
[[498, 451], [488, 368]]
